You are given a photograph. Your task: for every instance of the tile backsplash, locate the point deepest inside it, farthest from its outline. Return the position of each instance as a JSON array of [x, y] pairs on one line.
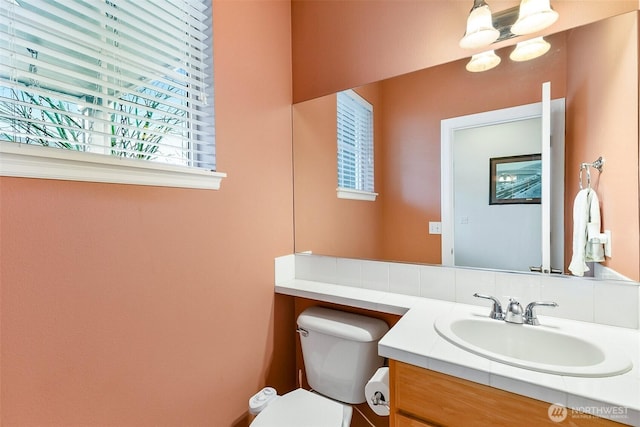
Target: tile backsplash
[[608, 302]]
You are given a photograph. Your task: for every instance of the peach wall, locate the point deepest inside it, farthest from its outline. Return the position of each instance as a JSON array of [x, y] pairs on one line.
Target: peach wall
[[140, 306], [341, 44], [324, 223], [603, 121]]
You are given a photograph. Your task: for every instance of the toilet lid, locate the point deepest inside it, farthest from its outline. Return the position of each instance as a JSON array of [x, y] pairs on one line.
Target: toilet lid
[[301, 408]]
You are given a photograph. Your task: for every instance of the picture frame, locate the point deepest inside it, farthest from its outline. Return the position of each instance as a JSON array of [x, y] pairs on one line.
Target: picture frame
[[515, 180]]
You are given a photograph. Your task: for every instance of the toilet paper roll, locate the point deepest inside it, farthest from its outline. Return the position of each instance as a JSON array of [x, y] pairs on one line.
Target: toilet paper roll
[[377, 392]]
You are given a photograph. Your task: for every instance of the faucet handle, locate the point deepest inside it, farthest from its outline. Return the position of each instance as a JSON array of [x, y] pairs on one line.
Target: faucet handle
[[530, 317], [496, 310]]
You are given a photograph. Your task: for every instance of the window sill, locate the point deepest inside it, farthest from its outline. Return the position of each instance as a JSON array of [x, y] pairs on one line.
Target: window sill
[[348, 193], [28, 161]]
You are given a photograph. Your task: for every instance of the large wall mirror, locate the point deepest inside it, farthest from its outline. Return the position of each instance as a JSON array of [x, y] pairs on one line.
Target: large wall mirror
[[594, 68]]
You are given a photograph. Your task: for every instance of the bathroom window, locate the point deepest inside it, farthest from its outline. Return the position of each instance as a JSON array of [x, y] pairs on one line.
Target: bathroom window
[[355, 147], [108, 90]]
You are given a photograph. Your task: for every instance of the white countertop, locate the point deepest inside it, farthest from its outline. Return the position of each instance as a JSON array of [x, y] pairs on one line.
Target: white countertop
[[414, 340]]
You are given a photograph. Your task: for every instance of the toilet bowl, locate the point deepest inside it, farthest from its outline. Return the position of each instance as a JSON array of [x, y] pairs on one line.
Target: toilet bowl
[[302, 408], [340, 353]]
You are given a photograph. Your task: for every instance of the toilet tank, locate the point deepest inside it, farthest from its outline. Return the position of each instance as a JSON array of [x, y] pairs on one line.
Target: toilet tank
[[340, 351]]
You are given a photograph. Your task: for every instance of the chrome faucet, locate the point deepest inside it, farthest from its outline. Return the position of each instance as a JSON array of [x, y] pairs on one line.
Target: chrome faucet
[[530, 317], [514, 312], [496, 310]]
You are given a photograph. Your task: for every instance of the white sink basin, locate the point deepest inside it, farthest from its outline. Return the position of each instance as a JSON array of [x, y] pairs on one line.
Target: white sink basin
[[539, 348]]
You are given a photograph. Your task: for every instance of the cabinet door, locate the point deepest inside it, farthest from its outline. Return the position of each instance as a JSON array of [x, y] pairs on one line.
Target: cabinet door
[[402, 421]]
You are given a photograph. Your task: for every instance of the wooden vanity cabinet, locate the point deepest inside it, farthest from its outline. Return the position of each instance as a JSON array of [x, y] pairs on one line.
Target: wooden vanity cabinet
[[424, 398]]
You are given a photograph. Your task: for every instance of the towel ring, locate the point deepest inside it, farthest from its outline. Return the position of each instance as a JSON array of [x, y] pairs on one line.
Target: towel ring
[[598, 164]]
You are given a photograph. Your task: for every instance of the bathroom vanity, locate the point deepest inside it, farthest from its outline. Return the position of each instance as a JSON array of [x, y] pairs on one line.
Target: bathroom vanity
[[434, 382], [424, 398]]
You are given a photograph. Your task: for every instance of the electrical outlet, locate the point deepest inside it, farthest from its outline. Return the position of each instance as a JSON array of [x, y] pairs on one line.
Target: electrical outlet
[[435, 227]]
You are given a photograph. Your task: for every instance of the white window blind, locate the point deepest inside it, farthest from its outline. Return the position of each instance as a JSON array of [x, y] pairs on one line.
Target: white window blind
[[123, 78], [355, 142]]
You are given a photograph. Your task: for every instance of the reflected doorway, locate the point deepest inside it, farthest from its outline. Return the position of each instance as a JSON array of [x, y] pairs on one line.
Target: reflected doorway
[[505, 236]]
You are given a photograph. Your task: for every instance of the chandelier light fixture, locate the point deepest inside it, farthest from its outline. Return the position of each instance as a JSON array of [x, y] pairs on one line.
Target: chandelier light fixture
[[485, 28]]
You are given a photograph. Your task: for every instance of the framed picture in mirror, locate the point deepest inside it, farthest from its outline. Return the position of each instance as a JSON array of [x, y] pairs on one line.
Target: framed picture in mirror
[[515, 179]]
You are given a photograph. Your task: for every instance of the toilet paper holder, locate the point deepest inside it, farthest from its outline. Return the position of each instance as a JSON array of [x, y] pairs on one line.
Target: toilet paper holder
[[378, 399], [377, 392]]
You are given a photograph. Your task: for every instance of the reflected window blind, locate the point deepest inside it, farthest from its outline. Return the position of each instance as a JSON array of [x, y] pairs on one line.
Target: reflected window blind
[[129, 78], [355, 142]]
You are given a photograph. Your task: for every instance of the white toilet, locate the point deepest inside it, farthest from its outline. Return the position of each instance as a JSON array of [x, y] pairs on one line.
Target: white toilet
[[340, 352]]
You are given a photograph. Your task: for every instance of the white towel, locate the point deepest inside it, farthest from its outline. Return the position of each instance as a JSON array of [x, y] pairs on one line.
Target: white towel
[[586, 226]]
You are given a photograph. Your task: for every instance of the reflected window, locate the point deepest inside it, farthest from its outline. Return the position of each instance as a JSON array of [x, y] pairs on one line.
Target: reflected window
[[355, 142]]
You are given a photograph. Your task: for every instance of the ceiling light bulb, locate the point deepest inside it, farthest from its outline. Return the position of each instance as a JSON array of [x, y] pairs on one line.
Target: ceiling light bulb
[[534, 16], [480, 30], [483, 61], [530, 49]]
